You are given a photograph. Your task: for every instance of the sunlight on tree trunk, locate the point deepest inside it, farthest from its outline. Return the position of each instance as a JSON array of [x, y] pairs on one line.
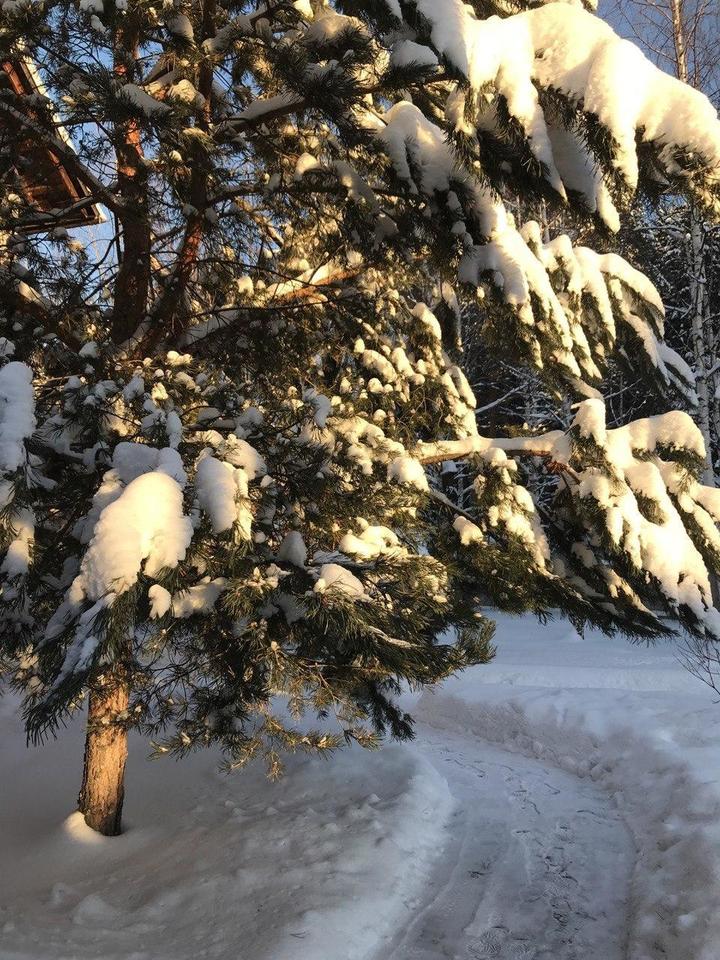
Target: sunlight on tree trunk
[[102, 792]]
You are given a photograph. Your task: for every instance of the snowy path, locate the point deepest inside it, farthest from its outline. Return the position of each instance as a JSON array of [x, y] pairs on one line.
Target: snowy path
[[536, 866], [494, 836]]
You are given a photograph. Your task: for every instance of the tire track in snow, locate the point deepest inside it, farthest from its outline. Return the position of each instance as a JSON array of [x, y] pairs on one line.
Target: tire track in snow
[[536, 866]]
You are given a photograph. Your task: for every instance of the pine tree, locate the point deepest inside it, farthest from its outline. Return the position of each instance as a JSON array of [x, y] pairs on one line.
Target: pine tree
[[223, 418]]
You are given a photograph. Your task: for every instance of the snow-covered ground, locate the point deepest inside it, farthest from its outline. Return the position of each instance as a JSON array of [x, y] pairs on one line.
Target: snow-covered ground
[[562, 803]]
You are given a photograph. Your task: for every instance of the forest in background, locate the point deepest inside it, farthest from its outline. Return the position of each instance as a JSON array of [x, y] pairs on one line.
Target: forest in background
[[668, 239]]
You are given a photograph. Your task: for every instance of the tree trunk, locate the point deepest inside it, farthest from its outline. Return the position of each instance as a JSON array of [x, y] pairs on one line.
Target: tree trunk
[[700, 335], [103, 790], [132, 281], [170, 314]]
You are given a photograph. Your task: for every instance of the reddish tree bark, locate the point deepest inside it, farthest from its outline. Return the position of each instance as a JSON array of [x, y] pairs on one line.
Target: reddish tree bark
[[132, 283]]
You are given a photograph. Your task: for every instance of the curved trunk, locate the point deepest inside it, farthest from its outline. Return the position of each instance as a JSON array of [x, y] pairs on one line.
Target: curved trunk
[[102, 791]]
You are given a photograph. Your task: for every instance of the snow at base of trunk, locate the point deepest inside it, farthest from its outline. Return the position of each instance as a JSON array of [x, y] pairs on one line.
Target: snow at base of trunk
[[319, 866]]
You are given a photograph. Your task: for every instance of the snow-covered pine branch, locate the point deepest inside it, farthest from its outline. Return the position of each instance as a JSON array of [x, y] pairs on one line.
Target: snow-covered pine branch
[[633, 511], [519, 72]]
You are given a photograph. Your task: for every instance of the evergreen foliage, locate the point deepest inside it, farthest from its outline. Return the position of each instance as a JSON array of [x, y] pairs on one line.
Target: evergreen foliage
[[223, 417]]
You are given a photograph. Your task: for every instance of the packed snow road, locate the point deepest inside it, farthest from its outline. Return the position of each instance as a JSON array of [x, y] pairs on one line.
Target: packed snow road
[[535, 864]]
